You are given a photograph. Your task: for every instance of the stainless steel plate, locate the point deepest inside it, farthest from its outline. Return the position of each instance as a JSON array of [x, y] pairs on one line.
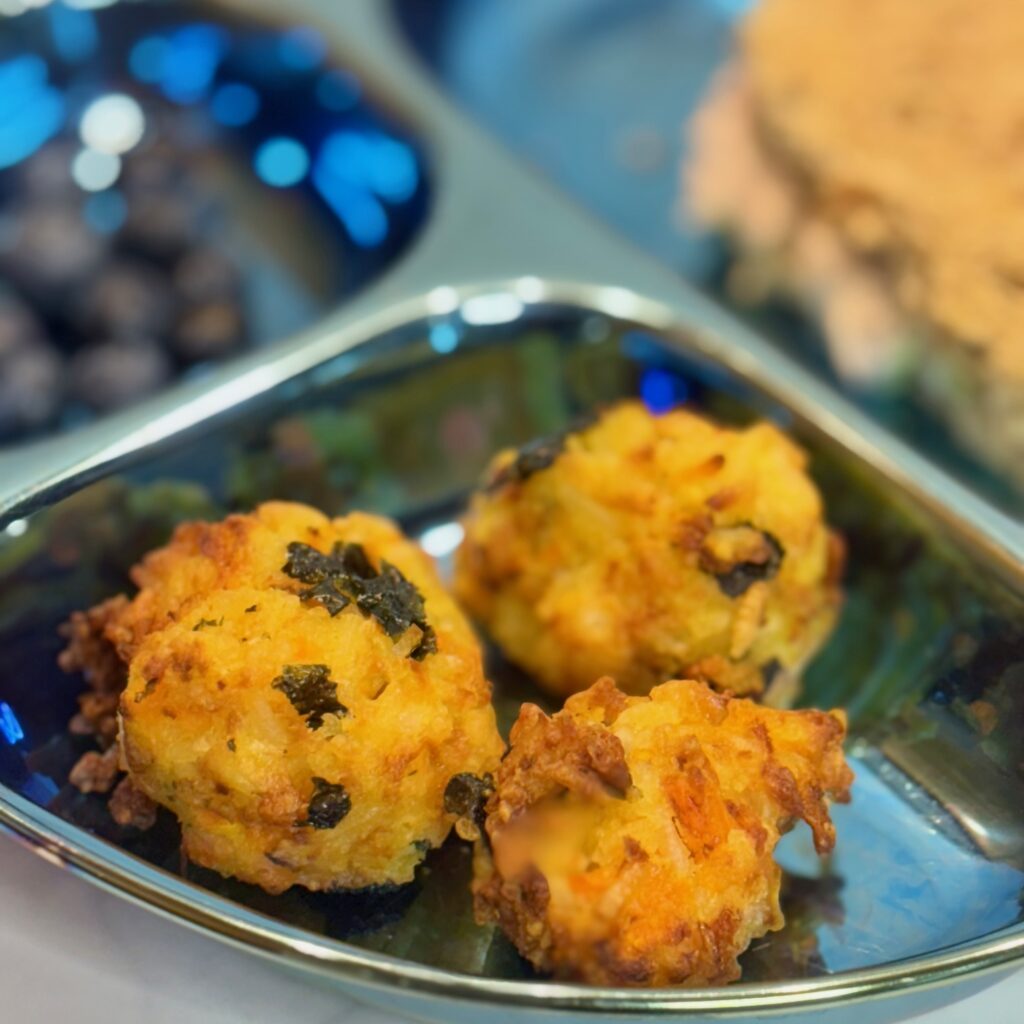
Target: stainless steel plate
[[510, 314]]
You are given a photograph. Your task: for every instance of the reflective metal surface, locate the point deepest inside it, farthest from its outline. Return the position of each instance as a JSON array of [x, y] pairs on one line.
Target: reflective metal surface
[[510, 313]]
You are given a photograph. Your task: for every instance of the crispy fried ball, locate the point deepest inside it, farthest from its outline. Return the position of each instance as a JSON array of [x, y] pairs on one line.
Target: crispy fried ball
[[301, 707], [631, 838], [653, 547]]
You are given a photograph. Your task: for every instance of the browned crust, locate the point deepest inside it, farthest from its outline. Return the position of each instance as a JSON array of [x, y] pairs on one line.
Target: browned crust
[[89, 650], [552, 755], [130, 807], [733, 776]]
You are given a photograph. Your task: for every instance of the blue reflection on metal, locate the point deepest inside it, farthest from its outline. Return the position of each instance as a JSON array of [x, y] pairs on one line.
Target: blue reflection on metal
[[40, 789], [31, 111], [281, 162], [147, 57], [662, 390], [191, 62], [235, 104], [393, 171], [105, 212], [372, 161], [21, 76], [10, 727], [337, 90], [444, 338], [361, 213], [74, 32], [302, 48]]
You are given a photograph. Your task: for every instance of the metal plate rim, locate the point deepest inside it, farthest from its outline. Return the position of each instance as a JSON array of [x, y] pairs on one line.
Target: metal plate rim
[[123, 874], [92, 859]]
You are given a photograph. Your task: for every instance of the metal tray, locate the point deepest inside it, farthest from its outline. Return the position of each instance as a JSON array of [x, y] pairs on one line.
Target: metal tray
[[511, 312]]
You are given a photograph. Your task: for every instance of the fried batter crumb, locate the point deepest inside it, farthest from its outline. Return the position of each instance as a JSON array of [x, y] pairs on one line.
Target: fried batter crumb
[[89, 651], [95, 772], [631, 839], [92, 653], [131, 808]]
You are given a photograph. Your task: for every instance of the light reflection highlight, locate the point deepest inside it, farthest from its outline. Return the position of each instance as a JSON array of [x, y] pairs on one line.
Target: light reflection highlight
[[113, 123], [31, 110], [10, 727], [39, 788], [497, 308], [94, 170], [662, 390], [190, 62], [530, 289], [360, 212], [441, 541], [281, 162], [442, 300], [444, 338], [373, 162]]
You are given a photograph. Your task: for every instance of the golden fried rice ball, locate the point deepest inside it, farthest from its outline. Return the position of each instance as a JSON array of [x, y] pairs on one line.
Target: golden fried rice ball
[[653, 547], [631, 838], [302, 723]]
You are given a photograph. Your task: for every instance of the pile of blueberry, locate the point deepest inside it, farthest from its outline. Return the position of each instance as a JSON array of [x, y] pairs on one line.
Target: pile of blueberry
[[103, 303]]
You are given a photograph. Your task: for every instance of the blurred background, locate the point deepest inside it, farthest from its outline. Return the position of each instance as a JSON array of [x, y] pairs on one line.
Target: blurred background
[[178, 184]]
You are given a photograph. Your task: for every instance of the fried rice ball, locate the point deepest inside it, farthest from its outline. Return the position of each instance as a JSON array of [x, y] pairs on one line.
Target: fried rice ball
[[650, 548], [630, 839], [300, 693]]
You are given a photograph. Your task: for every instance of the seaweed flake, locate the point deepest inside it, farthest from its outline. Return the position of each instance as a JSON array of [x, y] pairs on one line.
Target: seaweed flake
[[466, 796], [396, 604], [346, 576], [207, 624], [328, 594], [231, 745], [538, 454], [311, 692], [151, 685], [329, 803], [252, 608], [739, 578]]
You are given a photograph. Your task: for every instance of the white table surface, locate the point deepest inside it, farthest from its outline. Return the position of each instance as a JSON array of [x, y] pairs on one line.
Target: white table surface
[[72, 953]]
